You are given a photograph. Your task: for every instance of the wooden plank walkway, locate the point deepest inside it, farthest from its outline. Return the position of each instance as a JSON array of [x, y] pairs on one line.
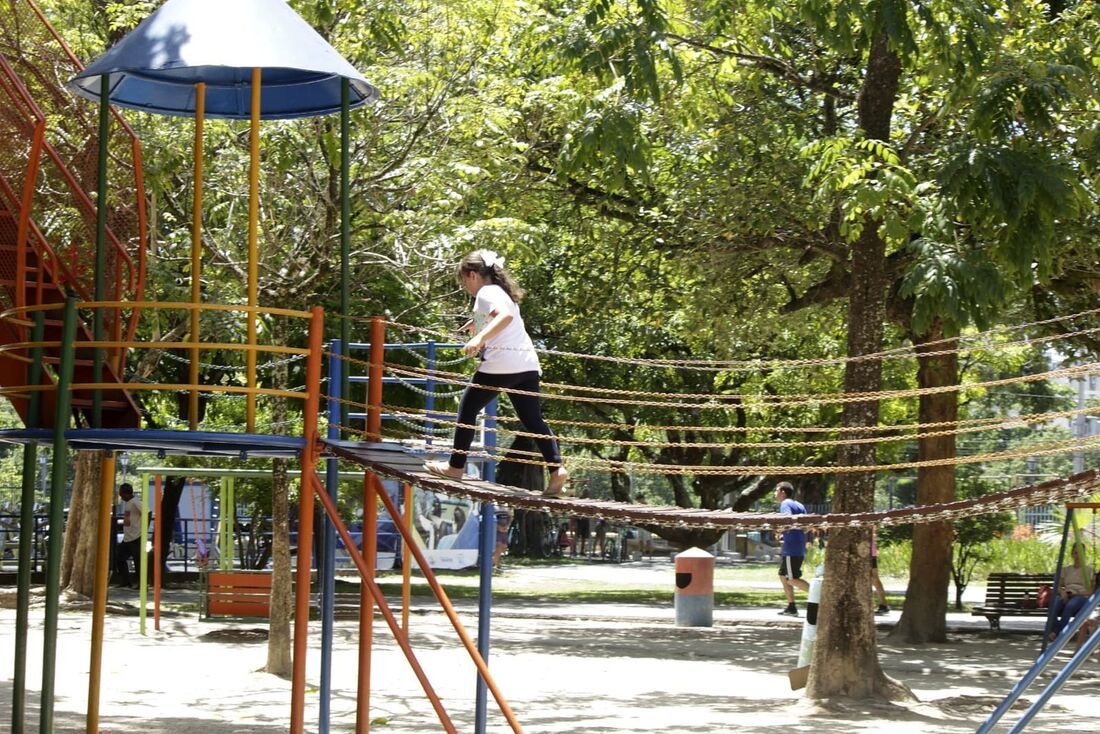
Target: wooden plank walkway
[[406, 464]]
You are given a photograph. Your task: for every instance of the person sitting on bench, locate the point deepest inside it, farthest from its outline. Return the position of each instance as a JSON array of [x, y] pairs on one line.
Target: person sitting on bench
[[1073, 590]]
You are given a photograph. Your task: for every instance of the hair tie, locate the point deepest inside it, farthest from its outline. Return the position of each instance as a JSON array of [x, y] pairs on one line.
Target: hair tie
[[491, 259]]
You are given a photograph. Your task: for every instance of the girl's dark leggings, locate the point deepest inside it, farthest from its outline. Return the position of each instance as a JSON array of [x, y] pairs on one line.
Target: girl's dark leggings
[[527, 410]]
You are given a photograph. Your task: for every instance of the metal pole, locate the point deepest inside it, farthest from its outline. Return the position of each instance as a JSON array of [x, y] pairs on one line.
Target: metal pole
[[196, 256], [26, 538], [370, 524], [305, 522], [345, 238], [58, 477], [1039, 666], [328, 575], [158, 543], [485, 568], [101, 246], [429, 388], [143, 561], [371, 487], [253, 248], [406, 559], [328, 600], [99, 599], [1057, 576], [1067, 672], [374, 378]]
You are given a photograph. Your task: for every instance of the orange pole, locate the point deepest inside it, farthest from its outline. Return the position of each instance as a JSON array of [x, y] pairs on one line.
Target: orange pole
[[253, 247], [449, 609], [99, 602], [305, 521], [406, 560], [370, 524], [374, 374], [196, 254], [383, 607], [157, 531], [366, 602]]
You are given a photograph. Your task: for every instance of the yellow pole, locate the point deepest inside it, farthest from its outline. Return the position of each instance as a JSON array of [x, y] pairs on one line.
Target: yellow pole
[[196, 253], [253, 232], [99, 603]]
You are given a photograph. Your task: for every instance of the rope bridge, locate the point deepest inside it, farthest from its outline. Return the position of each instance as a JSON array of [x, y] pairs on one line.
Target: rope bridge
[[398, 462]]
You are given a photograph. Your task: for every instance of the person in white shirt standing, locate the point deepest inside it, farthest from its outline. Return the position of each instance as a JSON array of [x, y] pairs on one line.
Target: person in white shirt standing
[[509, 364], [130, 547]]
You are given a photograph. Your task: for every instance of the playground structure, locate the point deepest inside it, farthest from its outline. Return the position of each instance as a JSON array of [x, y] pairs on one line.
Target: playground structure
[[66, 341]]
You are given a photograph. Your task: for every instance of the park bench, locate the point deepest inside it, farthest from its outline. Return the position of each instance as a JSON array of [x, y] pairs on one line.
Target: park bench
[[1012, 595], [236, 594]]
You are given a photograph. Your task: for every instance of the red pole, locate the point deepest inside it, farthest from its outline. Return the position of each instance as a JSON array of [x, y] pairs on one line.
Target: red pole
[[366, 601], [370, 524], [383, 607], [374, 374], [305, 521]]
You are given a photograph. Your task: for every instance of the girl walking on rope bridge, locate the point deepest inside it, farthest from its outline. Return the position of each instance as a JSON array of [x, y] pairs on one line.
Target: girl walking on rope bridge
[[509, 364]]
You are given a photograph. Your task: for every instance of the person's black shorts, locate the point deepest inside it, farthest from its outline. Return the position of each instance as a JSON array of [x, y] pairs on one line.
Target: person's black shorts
[[790, 567], [874, 561]]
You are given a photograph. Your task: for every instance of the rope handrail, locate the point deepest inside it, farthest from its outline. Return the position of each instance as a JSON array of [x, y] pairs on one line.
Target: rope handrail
[[988, 423], [399, 412], [634, 467], [787, 400], [904, 352]]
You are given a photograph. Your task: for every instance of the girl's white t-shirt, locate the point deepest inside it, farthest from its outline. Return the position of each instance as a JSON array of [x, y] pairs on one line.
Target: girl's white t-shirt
[[511, 350]]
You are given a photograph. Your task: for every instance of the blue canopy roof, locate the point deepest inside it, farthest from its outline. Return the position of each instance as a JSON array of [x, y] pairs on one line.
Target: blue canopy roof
[[156, 66]]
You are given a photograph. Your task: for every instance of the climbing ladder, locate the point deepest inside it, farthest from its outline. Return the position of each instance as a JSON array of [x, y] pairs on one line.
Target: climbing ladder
[[48, 161]]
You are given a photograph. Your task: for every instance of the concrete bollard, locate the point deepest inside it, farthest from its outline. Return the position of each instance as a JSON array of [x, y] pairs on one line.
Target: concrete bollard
[[809, 626], [694, 598]]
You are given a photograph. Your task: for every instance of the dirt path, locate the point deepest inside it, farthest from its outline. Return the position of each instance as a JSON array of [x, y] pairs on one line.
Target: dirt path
[[592, 668]]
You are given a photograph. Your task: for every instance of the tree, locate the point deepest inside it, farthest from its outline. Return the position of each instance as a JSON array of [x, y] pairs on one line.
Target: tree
[[971, 535]]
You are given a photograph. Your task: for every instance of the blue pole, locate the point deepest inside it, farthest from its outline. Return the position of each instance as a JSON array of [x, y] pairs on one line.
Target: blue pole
[[485, 568], [429, 403], [1039, 666], [1057, 578], [328, 561], [1071, 667]]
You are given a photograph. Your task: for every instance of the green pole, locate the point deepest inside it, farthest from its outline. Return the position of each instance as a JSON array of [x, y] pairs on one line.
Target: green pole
[[26, 538], [345, 240], [232, 533], [101, 245], [58, 477], [223, 523], [147, 498]]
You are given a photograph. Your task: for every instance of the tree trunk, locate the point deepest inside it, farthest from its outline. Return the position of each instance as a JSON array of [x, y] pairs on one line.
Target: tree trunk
[[82, 529], [924, 615], [845, 657], [282, 594], [169, 510], [282, 597]]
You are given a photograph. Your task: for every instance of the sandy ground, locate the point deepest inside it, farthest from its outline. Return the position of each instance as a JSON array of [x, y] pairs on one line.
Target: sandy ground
[[588, 668]]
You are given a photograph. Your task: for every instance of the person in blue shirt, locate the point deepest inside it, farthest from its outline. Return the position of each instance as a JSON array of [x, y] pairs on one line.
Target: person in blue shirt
[[793, 549]]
